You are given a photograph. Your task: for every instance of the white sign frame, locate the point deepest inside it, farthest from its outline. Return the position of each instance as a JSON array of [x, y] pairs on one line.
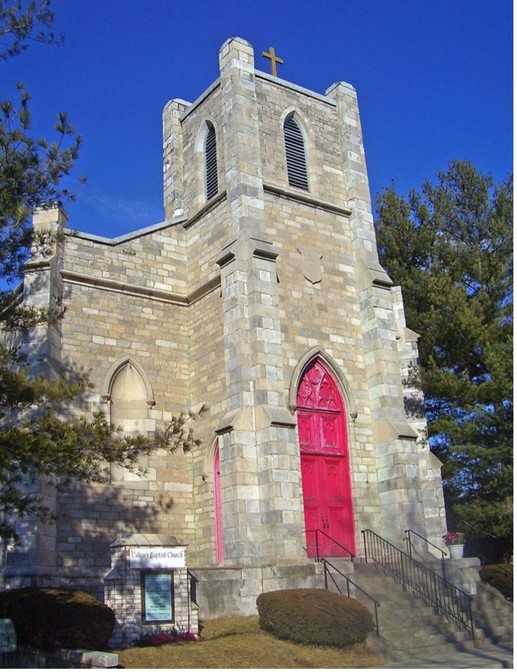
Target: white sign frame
[[161, 557]]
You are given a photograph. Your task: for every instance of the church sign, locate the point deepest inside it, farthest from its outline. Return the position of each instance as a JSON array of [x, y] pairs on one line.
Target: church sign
[[174, 557], [7, 636]]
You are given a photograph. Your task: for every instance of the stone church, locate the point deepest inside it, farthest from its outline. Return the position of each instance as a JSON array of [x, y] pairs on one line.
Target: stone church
[[260, 297]]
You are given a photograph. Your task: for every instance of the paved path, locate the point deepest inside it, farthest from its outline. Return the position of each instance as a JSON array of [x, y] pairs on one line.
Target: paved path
[[498, 656]]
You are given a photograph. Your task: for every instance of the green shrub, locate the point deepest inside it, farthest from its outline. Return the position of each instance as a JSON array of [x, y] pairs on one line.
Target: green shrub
[[52, 618], [499, 576], [314, 616]]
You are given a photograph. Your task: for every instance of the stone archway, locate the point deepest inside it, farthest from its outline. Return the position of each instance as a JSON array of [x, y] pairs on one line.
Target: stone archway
[[325, 464]]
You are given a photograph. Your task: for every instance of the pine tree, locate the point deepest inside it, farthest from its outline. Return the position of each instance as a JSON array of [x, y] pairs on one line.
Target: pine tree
[[450, 247], [40, 439]]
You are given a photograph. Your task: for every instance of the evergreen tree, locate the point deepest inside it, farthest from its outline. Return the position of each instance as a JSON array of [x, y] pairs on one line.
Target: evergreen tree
[[450, 248], [40, 440]]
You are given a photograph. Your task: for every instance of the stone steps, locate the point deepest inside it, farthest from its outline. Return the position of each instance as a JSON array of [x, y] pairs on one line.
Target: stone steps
[[493, 614], [408, 627]]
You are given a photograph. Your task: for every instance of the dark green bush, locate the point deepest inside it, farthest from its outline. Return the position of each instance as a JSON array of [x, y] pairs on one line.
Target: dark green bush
[[499, 576], [314, 616], [52, 618]]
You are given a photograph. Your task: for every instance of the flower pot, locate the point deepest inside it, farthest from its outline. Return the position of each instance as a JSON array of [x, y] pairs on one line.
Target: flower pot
[[456, 551]]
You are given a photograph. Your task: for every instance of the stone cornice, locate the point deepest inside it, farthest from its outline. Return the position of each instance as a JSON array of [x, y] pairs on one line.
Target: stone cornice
[[307, 200], [130, 289], [294, 87]]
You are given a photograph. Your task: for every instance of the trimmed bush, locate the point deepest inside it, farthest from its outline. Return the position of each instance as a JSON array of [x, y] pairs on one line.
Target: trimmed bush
[[499, 576], [314, 616], [52, 618]]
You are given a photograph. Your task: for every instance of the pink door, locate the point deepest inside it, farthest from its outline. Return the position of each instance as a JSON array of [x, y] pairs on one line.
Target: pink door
[[326, 485], [218, 514]]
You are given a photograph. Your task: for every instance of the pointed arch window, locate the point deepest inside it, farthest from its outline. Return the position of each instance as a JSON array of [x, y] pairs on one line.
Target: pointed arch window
[[295, 154], [211, 183]]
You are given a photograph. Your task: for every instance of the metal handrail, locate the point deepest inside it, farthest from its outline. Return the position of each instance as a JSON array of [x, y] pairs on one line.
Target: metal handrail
[[349, 581], [410, 547], [446, 598], [318, 556], [429, 543], [192, 595], [193, 581]]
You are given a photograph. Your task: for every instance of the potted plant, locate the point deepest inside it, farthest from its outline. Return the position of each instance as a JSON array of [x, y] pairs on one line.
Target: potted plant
[[455, 541]]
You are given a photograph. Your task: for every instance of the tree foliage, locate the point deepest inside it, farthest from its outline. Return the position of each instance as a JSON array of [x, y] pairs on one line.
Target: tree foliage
[[41, 439], [23, 21], [450, 247]]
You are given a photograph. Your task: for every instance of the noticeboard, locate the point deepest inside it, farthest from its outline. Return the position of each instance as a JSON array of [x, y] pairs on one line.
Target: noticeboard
[[7, 636], [157, 597]]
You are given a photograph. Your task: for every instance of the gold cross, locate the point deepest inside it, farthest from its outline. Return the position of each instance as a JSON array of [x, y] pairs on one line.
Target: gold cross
[[273, 58]]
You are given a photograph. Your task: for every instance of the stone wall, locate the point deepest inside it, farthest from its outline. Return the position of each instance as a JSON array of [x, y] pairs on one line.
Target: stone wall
[[27, 658]]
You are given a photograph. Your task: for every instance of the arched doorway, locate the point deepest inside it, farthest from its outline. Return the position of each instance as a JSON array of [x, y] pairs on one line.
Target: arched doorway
[[327, 493]]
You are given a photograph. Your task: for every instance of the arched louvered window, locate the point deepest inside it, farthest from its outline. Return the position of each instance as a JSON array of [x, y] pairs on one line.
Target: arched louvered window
[[211, 185], [295, 154]]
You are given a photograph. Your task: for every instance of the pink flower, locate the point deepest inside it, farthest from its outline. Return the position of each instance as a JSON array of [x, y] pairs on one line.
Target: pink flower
[[453, 538]]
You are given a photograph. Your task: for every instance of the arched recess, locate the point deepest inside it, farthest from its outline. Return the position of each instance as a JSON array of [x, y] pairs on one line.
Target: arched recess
[[127, 390], [310, 355], [325, 461]]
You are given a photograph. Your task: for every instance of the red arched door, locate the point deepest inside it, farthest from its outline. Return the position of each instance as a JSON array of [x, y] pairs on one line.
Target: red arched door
[[327, 494]]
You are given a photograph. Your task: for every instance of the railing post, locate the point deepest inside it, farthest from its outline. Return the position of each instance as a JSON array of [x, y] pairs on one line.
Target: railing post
[[365, 544], [409, 545], [317, 547], [325, 570], [403, 574], [471, 620]]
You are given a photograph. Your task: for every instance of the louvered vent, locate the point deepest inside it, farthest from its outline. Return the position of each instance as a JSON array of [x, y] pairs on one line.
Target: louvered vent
[[295, 155], [211, 163]]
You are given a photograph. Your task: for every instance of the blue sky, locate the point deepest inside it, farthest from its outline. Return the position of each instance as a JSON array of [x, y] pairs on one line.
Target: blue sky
[[434, 80]]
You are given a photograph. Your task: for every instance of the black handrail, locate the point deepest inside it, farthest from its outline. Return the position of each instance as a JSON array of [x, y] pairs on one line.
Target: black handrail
[[192, 595], [429, 543], [193, 581], [337, 543], [446, 598], [410, 547], [376, 604]]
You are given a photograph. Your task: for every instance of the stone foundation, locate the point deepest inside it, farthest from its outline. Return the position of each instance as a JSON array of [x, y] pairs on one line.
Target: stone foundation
[[463, 572], [233, 591]]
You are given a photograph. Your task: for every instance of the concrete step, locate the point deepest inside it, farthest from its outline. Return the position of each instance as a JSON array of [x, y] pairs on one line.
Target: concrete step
[[497, 631], [486, 657], [425, 651], [407, 625]]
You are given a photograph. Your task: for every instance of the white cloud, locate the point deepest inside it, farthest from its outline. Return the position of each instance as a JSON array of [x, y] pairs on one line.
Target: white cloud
[[126, 212]]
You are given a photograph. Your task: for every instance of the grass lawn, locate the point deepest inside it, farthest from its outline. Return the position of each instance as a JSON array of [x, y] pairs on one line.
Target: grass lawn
[[238, 642]]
